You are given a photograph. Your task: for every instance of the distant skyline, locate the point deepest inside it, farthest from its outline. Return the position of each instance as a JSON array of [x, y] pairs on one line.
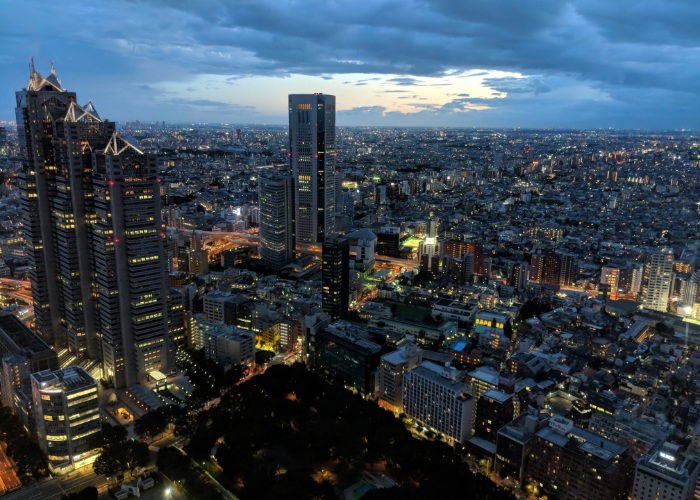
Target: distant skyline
[[482, 63]]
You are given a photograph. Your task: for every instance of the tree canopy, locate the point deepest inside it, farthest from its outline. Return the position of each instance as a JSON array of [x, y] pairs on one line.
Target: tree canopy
[[119, 458], [177, 466], [290, 430], [89, 493], [28, 457], [156, 421], [112, 434]]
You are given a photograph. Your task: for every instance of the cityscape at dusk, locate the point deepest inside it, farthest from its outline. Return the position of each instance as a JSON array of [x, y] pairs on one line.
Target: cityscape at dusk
[[479, 63], [413, 250]]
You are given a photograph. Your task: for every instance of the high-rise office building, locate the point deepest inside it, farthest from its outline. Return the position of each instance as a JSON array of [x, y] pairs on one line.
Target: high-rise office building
[[335, 275], [276, 200], [67, 415], [312, 158], [660, 280], [94, 235]]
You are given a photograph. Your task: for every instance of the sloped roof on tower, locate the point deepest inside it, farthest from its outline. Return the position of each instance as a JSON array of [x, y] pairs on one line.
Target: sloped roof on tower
[[77, 113], [38, 82], [117, 145]]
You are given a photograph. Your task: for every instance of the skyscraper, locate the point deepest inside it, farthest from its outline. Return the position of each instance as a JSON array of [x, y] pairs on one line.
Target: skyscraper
[[335, 275], [312, 158], [660, 280], [94, 235], [276, 200]]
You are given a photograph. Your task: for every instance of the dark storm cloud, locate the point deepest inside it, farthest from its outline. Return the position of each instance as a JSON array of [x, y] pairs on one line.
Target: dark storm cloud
[[643, 56], [516, 85]]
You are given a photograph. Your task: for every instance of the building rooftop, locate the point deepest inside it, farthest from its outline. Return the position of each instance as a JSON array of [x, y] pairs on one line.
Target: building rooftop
[[562, 432], [497, 395], [354, 334], [446, 377], [21, 339], [67, 379]]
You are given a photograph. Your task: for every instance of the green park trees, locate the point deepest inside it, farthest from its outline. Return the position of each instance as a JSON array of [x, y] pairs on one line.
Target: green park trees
[[121, 458]]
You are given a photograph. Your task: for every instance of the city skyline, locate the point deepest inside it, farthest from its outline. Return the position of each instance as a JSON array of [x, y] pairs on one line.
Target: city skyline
[[385, 250], [568, 65]]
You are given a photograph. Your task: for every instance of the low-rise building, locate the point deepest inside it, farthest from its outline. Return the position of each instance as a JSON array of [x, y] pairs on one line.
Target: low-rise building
[[437, 399], [493, 329], [573, 463], [228, 345], [343, 350], [665, 473], [67, 416]]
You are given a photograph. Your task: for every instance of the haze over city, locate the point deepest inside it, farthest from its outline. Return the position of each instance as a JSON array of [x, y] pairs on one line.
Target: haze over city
[[550, 63]]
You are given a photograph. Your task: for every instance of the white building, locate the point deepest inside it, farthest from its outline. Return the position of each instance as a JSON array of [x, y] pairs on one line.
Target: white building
[[493, 329], [454, 310], [665, 473], [660, 280], [227, 345], [362, 245], [436, 398], [392, 368], [67, 415], [481, 380]]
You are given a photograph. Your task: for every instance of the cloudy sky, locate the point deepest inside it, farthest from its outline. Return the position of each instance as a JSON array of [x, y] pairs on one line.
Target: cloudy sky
[[490, 63]]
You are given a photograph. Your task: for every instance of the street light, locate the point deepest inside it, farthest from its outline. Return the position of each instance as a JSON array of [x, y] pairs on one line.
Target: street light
[[168, 491]]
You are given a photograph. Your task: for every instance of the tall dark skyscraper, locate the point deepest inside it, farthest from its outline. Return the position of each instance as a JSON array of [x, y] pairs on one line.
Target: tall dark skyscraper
[[312, 158], [276, 200], [94, 235], [335, 274]]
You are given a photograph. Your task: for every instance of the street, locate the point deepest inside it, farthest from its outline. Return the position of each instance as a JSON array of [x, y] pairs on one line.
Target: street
[[8, 478]]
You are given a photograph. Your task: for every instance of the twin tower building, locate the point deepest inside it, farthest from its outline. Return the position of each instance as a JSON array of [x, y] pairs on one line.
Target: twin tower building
[[95, 237], [94, 234]]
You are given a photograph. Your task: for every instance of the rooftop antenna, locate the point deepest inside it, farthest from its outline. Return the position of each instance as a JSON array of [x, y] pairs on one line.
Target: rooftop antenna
[[32, 70]]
